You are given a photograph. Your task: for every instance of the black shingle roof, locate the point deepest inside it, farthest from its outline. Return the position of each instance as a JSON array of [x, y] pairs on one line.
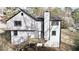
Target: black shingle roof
[[55, 18]]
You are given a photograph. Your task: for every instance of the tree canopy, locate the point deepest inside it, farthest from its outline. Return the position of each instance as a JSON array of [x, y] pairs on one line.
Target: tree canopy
[[9, 11], [75, 14], [56, 11]]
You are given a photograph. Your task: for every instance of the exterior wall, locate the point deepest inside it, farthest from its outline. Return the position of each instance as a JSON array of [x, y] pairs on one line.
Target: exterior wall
[[38, 26], [21, 36], [54, 40]]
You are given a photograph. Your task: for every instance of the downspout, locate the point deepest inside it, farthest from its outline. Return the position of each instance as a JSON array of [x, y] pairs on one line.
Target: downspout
[[42, 29]]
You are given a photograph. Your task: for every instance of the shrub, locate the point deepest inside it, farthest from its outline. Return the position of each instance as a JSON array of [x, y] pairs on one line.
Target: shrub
[[76, 42], [64, 24]]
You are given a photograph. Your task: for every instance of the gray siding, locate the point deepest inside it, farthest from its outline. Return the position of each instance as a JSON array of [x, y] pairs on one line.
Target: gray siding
[[28, 23]]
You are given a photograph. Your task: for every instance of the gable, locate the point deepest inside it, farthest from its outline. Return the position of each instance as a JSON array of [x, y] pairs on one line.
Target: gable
[[21, 10], [26, 20]]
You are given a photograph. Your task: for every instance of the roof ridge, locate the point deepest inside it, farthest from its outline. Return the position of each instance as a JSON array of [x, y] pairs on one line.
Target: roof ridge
[[24, 12]]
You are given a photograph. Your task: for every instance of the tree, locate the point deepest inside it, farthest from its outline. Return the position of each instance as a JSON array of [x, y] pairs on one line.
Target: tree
[[67, 11], [75, 15], [38, 11], [56, 11], [9, 11], [68, 17]]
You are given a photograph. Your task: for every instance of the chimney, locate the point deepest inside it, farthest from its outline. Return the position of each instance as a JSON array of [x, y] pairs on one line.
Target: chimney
[[46, 15], [46, 25]]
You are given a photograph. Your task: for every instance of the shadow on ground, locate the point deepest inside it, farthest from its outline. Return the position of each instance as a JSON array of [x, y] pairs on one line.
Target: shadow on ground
[[63, 47]]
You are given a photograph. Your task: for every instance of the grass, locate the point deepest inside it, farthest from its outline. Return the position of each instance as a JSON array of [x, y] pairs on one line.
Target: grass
[[76, 42]]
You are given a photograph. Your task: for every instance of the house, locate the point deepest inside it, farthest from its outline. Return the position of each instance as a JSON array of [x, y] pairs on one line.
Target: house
[[22, 25]]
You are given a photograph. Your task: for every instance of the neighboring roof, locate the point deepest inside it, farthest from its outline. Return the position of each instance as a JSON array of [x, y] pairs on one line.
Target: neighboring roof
[[24, 12], [40, 18], [55, 18]]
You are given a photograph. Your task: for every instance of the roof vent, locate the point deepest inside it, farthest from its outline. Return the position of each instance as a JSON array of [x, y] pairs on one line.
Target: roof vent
[[46, 11], [21, 14]]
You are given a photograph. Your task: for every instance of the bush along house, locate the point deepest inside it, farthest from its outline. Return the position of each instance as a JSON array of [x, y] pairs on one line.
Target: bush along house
[[22, 25]]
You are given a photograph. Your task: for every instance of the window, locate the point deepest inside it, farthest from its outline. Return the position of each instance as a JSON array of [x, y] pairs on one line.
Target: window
[[53, 32], [15, 33], [17, 23], [55, 23]]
